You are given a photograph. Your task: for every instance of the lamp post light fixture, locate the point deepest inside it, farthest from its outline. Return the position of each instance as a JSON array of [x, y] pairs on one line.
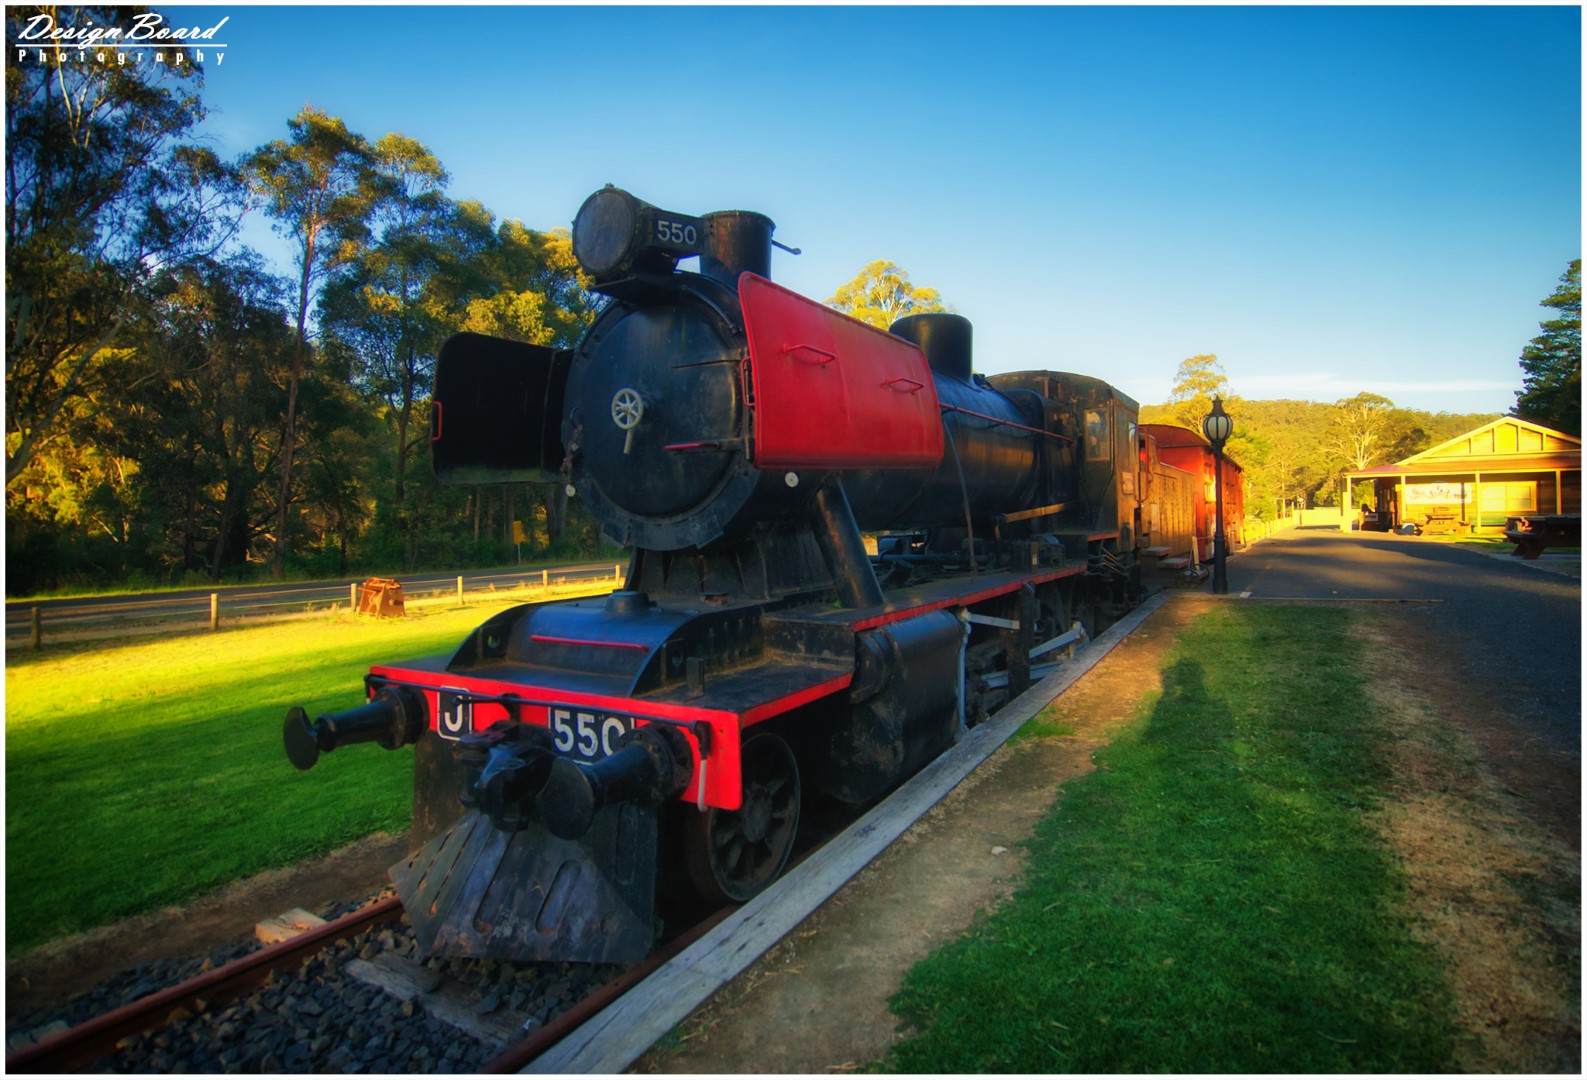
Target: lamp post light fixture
[[1217, 427]]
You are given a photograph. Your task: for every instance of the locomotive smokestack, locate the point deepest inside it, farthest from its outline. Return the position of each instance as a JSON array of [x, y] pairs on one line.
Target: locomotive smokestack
[[736, 241]]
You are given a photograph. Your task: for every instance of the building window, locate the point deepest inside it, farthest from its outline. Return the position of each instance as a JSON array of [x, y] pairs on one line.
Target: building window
[[1506, 499]]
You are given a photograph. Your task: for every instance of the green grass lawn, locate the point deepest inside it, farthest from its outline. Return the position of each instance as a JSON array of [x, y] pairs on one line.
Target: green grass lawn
[[1496, 543], [150, 773], [1213, 898]]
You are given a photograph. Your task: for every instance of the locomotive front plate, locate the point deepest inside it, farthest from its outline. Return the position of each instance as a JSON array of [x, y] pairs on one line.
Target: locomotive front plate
[[585, 735], [456, 714]]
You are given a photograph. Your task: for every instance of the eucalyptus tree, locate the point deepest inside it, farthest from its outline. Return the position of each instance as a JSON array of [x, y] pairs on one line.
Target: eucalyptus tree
[[384, 310], [321, 185], [882, 293], [1359, 429], [1197, 381], [215, 348]]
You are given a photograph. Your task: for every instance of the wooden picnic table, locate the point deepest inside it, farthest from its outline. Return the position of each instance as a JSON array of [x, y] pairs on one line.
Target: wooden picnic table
[[1442, 519], [1534, 532]]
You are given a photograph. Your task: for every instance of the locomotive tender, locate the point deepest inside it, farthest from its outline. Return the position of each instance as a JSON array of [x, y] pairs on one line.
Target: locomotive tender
[[744, 440]]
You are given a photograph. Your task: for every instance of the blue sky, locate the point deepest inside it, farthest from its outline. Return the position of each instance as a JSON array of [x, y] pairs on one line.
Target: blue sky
[[1330, 199]]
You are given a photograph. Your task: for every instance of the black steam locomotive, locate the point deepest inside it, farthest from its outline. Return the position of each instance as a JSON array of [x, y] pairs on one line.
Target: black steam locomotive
[[847, 545]]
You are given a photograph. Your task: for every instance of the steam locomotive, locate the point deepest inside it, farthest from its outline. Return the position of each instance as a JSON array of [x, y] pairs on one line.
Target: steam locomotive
[[847, 548]]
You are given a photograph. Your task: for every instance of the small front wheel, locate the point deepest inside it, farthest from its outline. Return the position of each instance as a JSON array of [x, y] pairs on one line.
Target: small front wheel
[[734, 854]]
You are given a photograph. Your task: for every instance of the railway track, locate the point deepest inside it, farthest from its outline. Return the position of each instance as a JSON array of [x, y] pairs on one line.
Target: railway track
[[332, 999], [195, 1023], [267, 1010], [92, 1040]]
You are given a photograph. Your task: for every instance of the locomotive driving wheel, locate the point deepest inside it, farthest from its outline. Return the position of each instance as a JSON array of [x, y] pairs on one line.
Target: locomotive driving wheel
[[734, 854]]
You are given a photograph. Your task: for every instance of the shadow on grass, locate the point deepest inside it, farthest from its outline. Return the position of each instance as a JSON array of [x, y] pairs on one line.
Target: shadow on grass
[[1212, 898]]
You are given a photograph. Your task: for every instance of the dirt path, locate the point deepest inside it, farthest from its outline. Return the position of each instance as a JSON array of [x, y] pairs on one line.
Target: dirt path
[[1487, 823]]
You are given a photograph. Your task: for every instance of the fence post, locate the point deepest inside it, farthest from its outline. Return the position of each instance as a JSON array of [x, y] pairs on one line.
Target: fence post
[[214, 611], [617, 571], [545, 579], [352, 598], [38, 629], [460, 590]]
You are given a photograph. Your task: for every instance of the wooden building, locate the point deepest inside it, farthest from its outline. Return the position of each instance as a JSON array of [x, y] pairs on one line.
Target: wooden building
[[1188, 451], [1473, 482]]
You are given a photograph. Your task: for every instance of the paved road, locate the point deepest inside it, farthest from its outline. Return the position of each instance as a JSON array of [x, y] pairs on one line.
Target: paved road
[[189, 606], [1515, 630]]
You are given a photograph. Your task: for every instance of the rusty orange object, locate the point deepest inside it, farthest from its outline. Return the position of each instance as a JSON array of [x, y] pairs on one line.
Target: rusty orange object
[[380, 596]]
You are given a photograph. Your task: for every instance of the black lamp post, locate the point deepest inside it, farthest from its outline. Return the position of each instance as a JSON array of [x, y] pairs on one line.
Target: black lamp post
[[1218, 427]]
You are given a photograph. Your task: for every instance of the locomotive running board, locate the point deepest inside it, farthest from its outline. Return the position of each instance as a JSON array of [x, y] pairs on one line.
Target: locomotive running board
[[528, 895]]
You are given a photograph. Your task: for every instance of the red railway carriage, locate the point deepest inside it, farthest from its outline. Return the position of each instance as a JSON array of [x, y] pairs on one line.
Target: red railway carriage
[[573, 758], [1191, 454]]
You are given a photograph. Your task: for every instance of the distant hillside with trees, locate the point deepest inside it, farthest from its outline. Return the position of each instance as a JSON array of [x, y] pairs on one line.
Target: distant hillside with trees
[[1300, 450]]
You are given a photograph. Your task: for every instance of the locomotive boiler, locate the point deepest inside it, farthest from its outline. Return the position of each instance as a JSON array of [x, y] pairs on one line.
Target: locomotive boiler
[[847, 547]]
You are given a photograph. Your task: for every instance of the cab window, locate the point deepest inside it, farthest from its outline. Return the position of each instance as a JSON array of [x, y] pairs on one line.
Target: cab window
[[1096, 435]]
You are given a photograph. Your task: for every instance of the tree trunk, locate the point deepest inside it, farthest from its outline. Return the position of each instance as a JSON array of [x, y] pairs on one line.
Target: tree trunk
[[190, 559], [232, 537], [220, 541], [289, 436], [402, 450], [556, 504], [404, 418], [290, 433]]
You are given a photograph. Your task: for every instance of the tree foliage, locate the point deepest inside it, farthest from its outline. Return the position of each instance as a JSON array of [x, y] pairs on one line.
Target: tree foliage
[[101, 193], [1550, 392], [882, 294], [1197, 381], [179, 414], [320, 185], [206, 410], [1300, 450], [384, 308], [1357, 429]]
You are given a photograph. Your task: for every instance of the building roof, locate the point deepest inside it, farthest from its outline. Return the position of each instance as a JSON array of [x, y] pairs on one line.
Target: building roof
[[1507, 445], [1490, 463], [1508, 434]]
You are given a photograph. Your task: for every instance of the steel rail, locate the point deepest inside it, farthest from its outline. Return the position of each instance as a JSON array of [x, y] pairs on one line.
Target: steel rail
[[515, 1057], [70, 1050]]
